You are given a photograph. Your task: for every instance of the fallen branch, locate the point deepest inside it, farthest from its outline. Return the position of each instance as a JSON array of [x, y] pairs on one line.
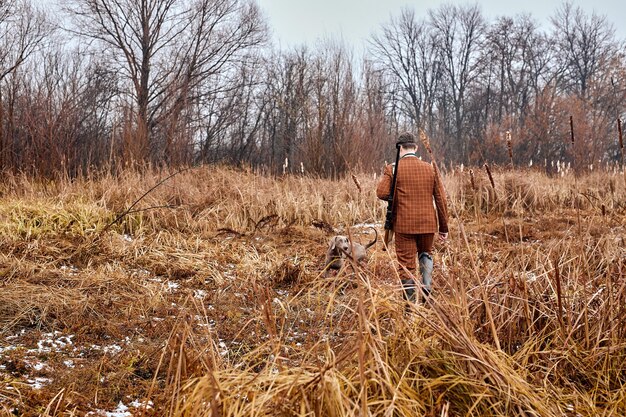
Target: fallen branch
[[130, 208]]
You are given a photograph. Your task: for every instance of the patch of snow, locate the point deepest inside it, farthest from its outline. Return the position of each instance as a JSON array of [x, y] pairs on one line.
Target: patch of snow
[[15, 336], [199, 294], [531, 277], [223, 347], [203, 322], [136, 404], [7, 348], [53, 342], [71, 268], [38, 383], [120, 411], [69, 363], [114, 349], [38, 366]]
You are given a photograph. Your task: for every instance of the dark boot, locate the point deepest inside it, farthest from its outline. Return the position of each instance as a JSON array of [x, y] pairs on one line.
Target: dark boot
[[426, 270], [408, 285]]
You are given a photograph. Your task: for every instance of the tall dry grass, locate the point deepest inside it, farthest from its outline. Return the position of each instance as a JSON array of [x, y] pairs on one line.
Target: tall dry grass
[[212, 288]]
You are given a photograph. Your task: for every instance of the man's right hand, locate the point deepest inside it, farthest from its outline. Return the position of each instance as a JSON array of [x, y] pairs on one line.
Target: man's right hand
[[443, 236]]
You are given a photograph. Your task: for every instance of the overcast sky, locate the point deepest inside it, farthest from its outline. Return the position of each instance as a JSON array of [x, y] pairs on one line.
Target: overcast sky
[[294, 22]]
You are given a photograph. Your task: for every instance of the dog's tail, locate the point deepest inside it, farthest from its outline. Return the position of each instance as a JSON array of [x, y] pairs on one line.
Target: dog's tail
[[375, 238]]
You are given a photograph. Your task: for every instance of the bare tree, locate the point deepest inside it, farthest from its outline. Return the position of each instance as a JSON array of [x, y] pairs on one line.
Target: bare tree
[[397, 49], [321, 128], [459, 32], [511, 48], [375, 130], [585, 42], [167, 49], [517, 67], [23, 31], [288, 109], [62, 113]]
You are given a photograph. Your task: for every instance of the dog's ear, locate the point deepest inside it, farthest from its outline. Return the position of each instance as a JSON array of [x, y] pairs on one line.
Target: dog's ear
[[332, 243]]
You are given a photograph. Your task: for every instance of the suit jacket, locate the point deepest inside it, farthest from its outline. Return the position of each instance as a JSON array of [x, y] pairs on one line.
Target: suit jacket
[[417, 184]]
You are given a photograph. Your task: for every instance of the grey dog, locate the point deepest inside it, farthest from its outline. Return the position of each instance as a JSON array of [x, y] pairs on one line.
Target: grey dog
[[340, 248]]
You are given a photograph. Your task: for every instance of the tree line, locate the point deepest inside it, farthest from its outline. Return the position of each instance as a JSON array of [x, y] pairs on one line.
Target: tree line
[[108, 84]]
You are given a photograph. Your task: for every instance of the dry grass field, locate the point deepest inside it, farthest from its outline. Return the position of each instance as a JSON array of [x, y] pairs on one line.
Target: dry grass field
[[208, 298]]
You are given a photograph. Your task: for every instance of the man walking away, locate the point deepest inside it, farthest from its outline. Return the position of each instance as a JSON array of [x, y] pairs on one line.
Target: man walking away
[[415, 220]]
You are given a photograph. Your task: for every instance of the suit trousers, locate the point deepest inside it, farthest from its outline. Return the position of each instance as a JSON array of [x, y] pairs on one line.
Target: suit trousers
[[408, 247]]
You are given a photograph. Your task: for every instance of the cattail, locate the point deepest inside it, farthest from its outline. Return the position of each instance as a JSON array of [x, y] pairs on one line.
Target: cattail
[[472, 180], [559, 298], [425, 141], [357, 183], [508, 145], [571, 128], [493, 184], [619, 129]]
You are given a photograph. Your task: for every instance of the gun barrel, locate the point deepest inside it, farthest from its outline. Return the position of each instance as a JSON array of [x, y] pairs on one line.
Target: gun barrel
[[389, 216]]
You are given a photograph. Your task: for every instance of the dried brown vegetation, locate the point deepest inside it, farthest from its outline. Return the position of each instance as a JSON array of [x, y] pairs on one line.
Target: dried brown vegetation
[[208, 299]]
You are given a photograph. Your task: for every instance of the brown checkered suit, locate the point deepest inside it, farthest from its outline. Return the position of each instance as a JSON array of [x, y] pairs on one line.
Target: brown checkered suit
[[415, 219], [416, 186]]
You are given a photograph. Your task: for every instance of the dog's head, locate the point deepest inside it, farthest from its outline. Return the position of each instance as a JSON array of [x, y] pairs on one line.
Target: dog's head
[[339, 244]]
